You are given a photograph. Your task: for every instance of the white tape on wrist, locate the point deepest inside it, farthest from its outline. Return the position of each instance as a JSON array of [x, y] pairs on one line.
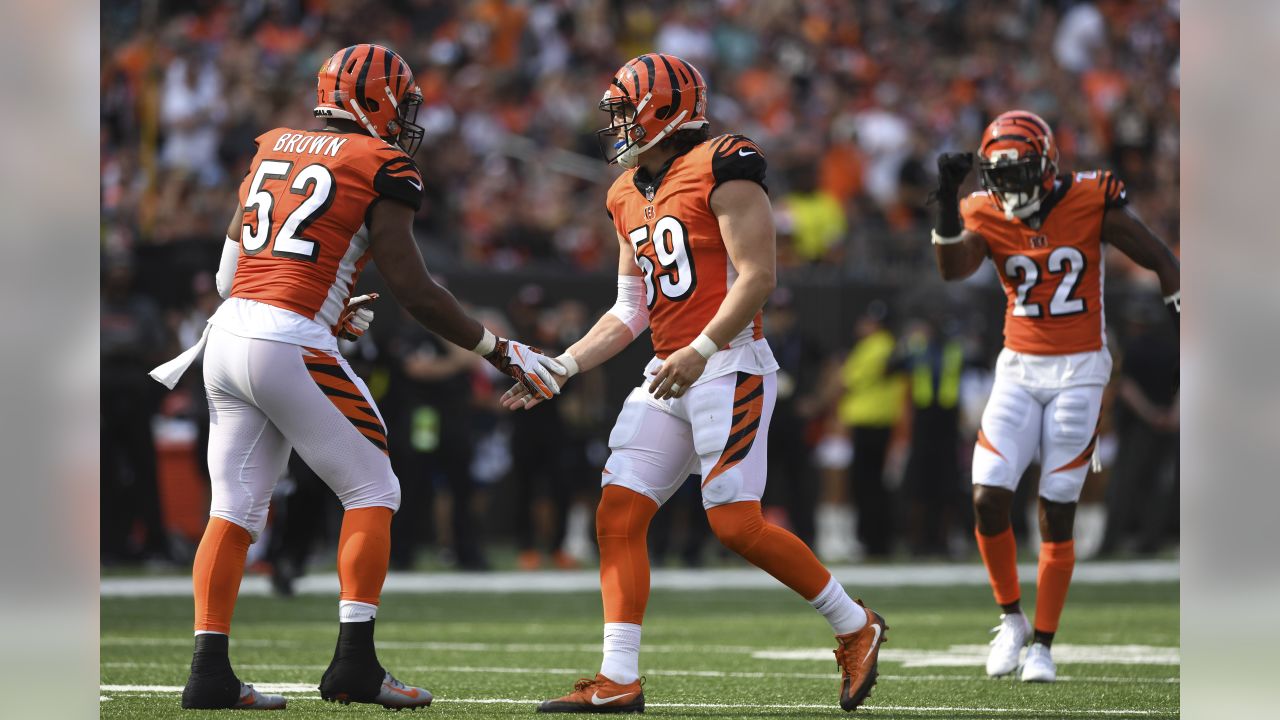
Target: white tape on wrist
[[939, 240], [570, 365], [1174, 301], [487, 343], [705, 346]]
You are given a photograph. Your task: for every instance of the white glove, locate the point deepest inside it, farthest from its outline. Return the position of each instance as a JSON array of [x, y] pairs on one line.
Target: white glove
[[527, 366], [355, 318]]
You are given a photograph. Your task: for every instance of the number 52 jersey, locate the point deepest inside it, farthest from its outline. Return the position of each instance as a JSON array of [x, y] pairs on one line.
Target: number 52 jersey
[[305, 237], [678, 247], [1052, 275]]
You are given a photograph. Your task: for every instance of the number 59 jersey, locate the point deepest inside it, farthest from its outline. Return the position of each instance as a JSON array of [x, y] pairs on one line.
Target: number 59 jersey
[[678, 246], [305, 238], [1052, 275]]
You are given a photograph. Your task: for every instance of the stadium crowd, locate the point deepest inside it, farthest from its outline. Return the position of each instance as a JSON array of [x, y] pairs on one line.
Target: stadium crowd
[[850, 101]]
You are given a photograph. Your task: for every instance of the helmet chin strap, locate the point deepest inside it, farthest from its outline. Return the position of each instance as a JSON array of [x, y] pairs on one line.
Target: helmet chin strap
[[363, 119], [630, 157], [1014, 207]]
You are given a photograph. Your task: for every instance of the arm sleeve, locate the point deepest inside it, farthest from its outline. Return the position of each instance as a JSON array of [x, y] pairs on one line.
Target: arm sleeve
[[1114, 194], [398, 179], [631, 307], [734, 157], [227, 268]]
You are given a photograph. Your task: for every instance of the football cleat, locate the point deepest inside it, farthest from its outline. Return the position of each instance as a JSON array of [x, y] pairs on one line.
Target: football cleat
[[251, 699], [392, 695], [600, 695], [858, 656], [1039, 666], [1006, 647]]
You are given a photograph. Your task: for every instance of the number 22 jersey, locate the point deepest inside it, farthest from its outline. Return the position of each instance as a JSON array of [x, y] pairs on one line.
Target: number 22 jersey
[[305, 238], [678, 247], [1052, 274]]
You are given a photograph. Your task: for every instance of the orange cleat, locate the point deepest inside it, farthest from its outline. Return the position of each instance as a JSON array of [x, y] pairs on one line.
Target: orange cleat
[[565, 561], [857, 657], [600, 695], [529, 560]]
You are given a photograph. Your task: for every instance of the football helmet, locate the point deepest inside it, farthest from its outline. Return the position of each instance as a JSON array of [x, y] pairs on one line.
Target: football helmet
[[373, 86], [649, 98], [1018, 161]]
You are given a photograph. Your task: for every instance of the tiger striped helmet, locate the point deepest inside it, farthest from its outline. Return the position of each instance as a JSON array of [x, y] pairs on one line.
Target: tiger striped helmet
[[374, 87], [649, 98], [1018, 161]]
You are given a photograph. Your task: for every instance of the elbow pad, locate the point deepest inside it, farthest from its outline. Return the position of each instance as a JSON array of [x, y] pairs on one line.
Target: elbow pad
[[227, 268], [631, 308]]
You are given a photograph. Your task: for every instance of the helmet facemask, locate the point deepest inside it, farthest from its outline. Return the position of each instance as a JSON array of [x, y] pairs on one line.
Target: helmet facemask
[[1016, 183], [405, 131], [621, 141]]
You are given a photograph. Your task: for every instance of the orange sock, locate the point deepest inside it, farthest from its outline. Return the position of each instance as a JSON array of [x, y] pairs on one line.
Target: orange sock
[[215, 577], [1000, 555], [1057, 560], [364, 551], [622, 530], [743, 529]]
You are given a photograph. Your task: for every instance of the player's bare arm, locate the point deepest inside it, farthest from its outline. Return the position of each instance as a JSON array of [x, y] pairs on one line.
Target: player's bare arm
[[1126, 231], [401, 264], [746, 223], [613, 332], [959, 252]]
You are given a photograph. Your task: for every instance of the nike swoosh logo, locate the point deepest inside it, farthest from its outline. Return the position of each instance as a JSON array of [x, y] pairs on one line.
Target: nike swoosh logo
[[415, 183], [597, 700], [411, 694], [874, 642], [745, 153]]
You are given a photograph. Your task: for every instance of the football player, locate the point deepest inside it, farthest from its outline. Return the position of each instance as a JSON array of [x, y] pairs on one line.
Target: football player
[[1044, 231], [315, 206], [696, 264]]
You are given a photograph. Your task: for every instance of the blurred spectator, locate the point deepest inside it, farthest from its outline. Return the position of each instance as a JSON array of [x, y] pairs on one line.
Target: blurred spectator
[[934, 361], [133, 340], [871, 394], [871, 406], [543, 481], [430, 400], [304, 512], [793, 481], [1142, 496]]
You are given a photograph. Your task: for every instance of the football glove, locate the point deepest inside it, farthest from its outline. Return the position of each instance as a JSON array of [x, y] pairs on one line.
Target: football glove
[[953, 168], [527, 366], [355, 318]]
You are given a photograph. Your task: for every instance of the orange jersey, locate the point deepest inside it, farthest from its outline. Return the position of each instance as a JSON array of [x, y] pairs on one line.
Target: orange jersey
[[1052, 275], [306, 201], [676, 237]]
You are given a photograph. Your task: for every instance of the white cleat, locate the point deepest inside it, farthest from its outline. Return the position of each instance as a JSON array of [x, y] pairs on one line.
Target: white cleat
[[395, 695], [1006, 648], [251, 699], [1039, 666]]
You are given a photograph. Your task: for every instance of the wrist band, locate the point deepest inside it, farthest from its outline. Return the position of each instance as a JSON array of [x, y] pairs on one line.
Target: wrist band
[[939, 240], [705, 346], [570, 365], [487, 343], [1174, 301]]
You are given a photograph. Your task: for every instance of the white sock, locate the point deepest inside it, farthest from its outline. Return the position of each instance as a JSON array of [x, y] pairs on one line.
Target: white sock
[[621, 652], [839, 609], [352, 611], [209, 632]]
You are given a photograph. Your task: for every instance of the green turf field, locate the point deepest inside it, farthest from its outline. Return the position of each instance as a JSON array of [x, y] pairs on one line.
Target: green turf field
[[729, 654]]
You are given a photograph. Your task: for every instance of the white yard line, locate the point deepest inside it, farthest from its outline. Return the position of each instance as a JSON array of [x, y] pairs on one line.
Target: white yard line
[[289, 688], [853, 577], [826, 677]]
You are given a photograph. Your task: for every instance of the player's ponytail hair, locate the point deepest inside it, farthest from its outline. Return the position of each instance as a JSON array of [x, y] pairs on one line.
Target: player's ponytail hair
[[682, 141]]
